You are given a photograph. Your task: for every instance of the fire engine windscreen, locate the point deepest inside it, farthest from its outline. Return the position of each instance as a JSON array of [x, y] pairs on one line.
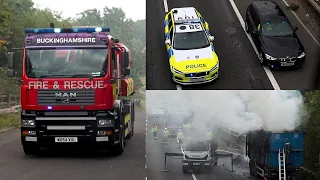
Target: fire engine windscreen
[[66, 62], [196, 145]]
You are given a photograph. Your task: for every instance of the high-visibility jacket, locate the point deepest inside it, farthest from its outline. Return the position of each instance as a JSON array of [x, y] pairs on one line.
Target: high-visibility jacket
[[154, 129], [186, 125], [165, 132], [258, 28], [180, 135], [210, 136]]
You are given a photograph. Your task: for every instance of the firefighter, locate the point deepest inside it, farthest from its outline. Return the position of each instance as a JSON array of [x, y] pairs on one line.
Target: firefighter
[[213, 144], [154, 130], [165, 136], [180, 137]]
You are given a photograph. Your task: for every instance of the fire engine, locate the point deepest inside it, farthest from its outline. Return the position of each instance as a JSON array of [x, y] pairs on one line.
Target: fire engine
[[76, 89]]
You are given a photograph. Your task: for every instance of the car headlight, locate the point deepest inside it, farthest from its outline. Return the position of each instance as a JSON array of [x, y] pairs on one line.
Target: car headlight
[[105, 122], [215, 67], [28, 123], [176, 71], [301, 55], [270, 57]]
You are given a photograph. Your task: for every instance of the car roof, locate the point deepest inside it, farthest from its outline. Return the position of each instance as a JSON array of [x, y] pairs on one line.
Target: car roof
[[269, 11], [196, 139], [184, 12]]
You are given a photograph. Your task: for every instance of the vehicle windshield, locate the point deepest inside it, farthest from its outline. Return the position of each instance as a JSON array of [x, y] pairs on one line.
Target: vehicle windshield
[[196, 146], [66, 62], [190, 40], [276, 29]]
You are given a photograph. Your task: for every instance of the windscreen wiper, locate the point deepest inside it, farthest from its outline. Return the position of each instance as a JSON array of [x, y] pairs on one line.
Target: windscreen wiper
[[53, 75]]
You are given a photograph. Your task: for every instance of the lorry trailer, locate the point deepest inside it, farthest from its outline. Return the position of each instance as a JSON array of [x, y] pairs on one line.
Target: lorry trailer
[[274, 154], [75, 89]]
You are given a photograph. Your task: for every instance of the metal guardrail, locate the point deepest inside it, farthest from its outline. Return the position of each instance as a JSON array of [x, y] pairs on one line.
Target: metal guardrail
[[9, 100], [13, 109], [315, 5]]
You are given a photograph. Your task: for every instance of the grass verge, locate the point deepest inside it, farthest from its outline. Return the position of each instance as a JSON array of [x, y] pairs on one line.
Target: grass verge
[[11, 120]]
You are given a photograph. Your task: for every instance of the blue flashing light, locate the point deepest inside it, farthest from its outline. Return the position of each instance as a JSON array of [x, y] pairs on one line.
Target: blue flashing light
[[49, 107], [66, 30], [191, 75]]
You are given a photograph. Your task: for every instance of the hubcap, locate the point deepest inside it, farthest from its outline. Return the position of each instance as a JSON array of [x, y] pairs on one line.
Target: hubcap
[[260, 58]]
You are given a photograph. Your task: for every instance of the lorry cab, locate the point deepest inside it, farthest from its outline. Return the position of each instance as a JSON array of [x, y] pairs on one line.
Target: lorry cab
[[197, 154]]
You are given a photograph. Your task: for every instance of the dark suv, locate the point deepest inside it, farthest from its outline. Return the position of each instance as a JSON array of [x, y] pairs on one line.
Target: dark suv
[[275, 38]]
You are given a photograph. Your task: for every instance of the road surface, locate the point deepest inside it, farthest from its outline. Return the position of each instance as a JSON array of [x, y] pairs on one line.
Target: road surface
[[131, 165], [155, 162], [239, 65]]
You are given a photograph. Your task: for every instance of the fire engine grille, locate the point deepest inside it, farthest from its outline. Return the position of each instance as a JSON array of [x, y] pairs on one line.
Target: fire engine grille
[[65, 97]]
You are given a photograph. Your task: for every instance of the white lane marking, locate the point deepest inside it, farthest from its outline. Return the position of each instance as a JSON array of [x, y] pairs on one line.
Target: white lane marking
[[165, 4], [179, 87], [285, 2], [194, 176], [273, 81]]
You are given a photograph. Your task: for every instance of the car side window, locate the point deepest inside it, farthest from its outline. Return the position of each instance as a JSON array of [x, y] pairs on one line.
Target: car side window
[[170, 20], [255, 17], [171, 33]]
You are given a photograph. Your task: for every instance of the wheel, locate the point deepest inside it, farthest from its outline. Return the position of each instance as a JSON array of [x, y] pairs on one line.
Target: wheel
[[118, 149], [261, 59], [185, 171], [246, 26], [31, 150]]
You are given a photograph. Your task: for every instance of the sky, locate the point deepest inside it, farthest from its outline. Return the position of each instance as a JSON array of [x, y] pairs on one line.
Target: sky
[[134, 9]]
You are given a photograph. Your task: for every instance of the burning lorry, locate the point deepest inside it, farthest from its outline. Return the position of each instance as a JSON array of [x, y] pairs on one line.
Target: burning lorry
[[75, 89]]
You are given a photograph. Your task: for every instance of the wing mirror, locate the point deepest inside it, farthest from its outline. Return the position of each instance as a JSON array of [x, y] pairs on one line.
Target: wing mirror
[[167, 42], [211, 38]]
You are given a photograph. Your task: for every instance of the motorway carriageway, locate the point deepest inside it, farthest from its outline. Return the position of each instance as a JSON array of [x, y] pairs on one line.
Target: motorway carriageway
[[14, 165], [155, 162], [239, 64]]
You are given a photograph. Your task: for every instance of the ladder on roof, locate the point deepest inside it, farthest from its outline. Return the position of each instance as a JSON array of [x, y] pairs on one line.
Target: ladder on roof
[[282, 164]]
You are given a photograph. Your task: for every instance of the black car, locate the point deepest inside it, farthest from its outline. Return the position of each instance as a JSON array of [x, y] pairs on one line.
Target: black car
[[275, 38]]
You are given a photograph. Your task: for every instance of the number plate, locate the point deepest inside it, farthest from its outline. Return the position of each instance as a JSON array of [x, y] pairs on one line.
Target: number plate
[[197, 79], [287, 64], [66, 139], [197, 164]]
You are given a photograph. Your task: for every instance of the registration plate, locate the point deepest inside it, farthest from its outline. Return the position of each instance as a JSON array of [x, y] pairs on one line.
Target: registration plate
[[66, 139], [287, 64], [197, 79], [197, 164]]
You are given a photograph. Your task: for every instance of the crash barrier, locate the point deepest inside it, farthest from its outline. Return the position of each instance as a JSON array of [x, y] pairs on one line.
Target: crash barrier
[[315, 5], [9, 100], [13, 109], [173, 155]]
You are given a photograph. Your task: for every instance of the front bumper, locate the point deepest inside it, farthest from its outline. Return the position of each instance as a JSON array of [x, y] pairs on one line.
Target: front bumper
[[283, 63], [196, 165], [184, 80]]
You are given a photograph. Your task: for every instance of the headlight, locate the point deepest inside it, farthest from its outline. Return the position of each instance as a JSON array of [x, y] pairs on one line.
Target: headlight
[[215, 67], [28, 123], [176, 71], [270, 57], [105, 123], [301, 55]]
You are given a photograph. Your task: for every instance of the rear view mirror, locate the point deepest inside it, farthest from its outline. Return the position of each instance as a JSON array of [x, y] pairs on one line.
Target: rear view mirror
[[11, 63], [126, 72], [167, 42], [11, 72], [125, 59]]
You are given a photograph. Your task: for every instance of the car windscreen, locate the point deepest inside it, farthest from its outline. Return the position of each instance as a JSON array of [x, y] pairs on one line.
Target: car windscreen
[[66, 62], [190, 40], [276, 29], [196, 146]]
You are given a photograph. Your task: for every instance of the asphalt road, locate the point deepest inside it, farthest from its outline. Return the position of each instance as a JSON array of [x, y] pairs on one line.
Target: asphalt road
[[155, 162], [239, 65], [14, 165]]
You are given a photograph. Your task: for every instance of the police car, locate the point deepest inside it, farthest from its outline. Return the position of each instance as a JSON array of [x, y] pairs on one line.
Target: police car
[[192, 57]]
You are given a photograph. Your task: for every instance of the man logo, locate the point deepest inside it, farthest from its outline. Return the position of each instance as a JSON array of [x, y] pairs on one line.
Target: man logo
[[63, 95]]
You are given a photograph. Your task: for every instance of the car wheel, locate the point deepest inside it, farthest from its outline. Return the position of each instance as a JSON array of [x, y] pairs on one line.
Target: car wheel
[[261, 59], [246, 27]]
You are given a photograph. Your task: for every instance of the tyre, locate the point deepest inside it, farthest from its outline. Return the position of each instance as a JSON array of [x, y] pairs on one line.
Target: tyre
[[31, 150], [246, 26], [118, 149]]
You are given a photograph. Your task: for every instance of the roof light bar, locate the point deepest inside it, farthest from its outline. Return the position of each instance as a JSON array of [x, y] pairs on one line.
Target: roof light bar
[[66, 30]]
